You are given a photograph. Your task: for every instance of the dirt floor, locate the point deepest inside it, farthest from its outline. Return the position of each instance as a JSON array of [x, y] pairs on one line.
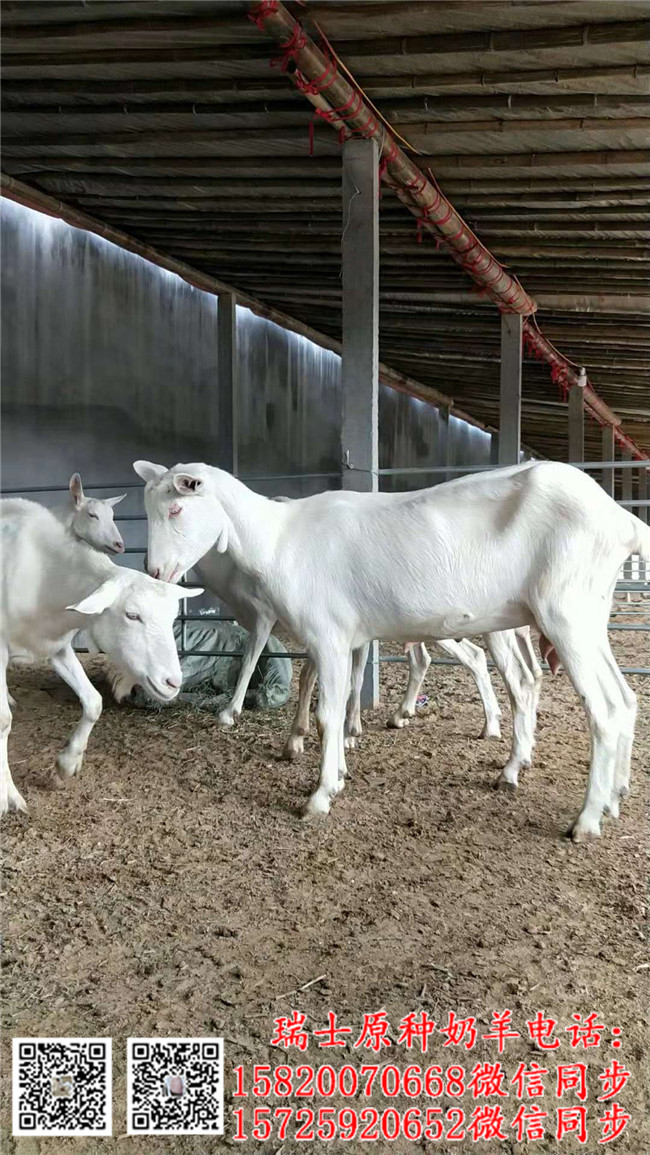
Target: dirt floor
[[172, 889]]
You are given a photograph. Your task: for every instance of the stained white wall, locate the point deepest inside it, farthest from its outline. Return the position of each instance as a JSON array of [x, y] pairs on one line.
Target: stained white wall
[[106, 357]]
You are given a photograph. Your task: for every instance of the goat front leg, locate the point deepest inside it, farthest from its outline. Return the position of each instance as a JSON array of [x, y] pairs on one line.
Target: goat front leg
[[419, 662], [10, 797], [353, 727], [295, 743], [67, 665], [334, 678], [257, 640]]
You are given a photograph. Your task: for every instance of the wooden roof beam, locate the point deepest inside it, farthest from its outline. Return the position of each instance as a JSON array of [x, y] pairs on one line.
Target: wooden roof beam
[[628, 79], [412, 186]]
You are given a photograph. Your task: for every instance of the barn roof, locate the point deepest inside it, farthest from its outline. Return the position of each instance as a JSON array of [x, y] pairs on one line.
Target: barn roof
[[168, 121]]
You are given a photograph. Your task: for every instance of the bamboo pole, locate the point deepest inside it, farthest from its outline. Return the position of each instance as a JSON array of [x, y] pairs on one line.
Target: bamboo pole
[[419, 194]]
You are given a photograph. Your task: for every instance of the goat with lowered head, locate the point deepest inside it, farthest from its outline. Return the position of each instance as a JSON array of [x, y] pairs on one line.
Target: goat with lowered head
[[510, 650], [533, 544], [52, 587]]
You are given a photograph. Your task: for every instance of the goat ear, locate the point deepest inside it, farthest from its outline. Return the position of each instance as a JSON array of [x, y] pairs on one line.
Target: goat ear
[[148, 471], [221, 544], [185, 483], [114, 500], [76, 489], [100, 600], [188, 592]]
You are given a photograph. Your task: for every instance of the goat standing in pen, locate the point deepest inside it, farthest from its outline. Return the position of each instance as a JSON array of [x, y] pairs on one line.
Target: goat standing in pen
[[52, 587], [534, 544], [511, 652]]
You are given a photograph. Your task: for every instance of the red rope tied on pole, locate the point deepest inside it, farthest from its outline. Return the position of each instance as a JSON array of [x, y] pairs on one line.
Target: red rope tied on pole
[[352, 107], [417, 185], [387, 159], [560, 377], [319, 83], [259, 14], [425, 219], [290, 48]]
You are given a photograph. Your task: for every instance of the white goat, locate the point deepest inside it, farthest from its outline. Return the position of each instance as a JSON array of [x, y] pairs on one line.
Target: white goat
[[91, 519], [244, 595], [534, 544], [512, 655], [51, 588], [241, 592]]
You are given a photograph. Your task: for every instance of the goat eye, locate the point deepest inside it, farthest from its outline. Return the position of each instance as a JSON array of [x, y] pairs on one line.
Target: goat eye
[[133, 617], [174, 510], [93, 515]]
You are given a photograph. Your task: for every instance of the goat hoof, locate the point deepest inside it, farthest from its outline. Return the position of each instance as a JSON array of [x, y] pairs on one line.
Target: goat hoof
[[505, 784], [612, 807], [350, 743], [14, 801], [225, 718], [293, 748], [397, 722], [69, 764], [583, 832], [318, 805], [491, 731]]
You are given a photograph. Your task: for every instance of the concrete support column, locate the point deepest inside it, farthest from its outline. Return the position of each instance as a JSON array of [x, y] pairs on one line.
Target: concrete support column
[[644, 513], [510, 404], [609, 454], [360, 363], [627, 494], [576, 423], [227, 437]]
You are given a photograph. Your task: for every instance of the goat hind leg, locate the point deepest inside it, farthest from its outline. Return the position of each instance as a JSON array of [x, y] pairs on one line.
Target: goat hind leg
[[295, 743], [353, 727], [419, 662], [624, 707], [580, 641], [474, 660], [520, 684]]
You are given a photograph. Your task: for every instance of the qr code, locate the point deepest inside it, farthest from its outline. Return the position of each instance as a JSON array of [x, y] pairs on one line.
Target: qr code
[[175, 1086], [62, 1087]]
